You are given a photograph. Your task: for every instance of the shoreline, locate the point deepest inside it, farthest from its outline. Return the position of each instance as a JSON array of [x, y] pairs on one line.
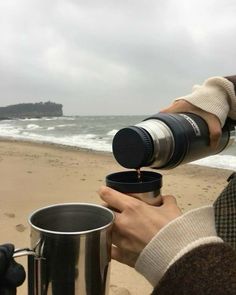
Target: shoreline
[[35, 175], [53, 144], [99, 152]]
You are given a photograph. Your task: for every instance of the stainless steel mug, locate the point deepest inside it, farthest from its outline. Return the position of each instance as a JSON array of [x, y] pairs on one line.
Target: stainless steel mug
[[145, 186], [70, 250]]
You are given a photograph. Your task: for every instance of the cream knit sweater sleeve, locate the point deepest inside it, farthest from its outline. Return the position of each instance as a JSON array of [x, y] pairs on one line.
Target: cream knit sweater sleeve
[[216, 95], [180, 236], [197, 227]]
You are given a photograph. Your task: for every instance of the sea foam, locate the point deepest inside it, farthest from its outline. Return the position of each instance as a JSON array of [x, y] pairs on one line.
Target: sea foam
[[218, 161], [95, 133]]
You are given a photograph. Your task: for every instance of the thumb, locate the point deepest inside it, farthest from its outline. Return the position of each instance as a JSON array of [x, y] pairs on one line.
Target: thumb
[[7, 291], [168, 200], [6, 252], [15, 274], [215, 132]]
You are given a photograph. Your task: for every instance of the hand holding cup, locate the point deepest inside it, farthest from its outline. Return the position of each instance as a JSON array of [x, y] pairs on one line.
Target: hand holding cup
[[136, 222]]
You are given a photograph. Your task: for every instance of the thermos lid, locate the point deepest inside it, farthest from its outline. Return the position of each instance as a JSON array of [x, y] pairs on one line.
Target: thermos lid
[[132, 147], [128, 181]]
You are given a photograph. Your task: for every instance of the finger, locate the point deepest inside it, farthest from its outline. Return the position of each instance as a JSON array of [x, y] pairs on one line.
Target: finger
[[178, 106], [15, 274], [214, 127], [215, 134], [118, 240], [104, 204], [116, 254], [109, 207], [7, 291], [211, 119], [124, 256], [158, 201], [168, 200], [8, 249], [6, 252], [114, 198]]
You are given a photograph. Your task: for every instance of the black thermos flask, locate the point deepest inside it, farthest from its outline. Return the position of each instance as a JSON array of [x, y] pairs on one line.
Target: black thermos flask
[[166, 140]]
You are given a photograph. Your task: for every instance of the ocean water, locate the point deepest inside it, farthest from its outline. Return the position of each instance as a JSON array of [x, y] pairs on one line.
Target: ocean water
[[90, 132]]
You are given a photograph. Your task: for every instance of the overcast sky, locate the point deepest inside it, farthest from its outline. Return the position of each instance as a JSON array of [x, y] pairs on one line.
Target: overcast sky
[[112, 56]]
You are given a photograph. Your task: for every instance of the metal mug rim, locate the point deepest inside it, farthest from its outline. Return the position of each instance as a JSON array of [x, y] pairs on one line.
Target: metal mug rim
[[74, 232]]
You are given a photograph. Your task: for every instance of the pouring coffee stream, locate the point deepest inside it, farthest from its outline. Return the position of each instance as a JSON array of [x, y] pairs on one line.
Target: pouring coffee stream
[[139, 174]]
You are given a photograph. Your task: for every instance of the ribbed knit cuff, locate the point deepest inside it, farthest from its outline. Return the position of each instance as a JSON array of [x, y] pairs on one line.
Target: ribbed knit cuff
[[216, 96], [190, 230]]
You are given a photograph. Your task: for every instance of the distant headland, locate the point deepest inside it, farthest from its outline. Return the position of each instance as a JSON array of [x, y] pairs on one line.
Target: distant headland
[[31, 110]]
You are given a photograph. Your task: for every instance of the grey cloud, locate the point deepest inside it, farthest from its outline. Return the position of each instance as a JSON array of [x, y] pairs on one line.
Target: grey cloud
[[112, 57]]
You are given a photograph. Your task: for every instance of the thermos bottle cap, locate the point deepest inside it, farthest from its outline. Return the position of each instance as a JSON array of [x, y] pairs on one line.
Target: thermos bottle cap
[[128, 181], [132, 147]]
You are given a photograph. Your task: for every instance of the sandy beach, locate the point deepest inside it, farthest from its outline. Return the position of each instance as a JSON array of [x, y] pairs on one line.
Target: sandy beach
[[36, 175]]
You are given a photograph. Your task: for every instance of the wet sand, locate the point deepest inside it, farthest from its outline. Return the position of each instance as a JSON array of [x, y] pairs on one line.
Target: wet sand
[[36, 175]]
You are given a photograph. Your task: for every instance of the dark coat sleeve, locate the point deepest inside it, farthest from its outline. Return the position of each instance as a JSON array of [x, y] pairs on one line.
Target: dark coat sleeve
[[206, 270]]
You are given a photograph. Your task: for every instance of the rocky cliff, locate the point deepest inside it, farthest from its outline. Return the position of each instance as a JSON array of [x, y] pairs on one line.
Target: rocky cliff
[[31, 110]]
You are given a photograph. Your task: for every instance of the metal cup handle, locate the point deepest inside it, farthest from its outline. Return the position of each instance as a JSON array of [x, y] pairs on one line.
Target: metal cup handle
[[34, 269], [24, 252]]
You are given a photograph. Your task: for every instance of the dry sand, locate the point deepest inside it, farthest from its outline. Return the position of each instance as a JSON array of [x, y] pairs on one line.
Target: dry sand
[[36, 175]]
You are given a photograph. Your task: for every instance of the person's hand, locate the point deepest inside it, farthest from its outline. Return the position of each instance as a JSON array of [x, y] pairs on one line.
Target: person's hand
[[136, 222], [212, 120], [12, 274]]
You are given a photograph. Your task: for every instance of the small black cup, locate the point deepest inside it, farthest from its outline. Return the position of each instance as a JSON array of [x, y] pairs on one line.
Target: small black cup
[[146, 188]]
